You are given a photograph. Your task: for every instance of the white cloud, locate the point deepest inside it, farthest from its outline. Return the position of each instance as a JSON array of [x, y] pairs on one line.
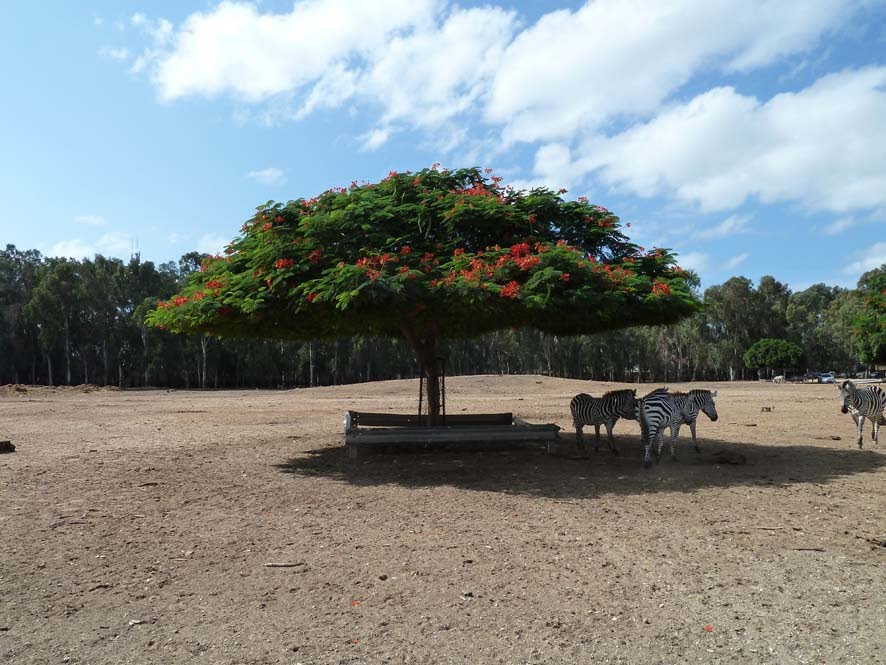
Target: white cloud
[[138, 19], [269, 176], [71, 249], [92, 220], [576, 70], [375, 138], [553, 166], [234, 48], [696, 261], [730, 226], [868, 259], [115, 244], [838, 226], [824, 146], [113, 53], [109, 244], [735, 261], [426, 62], [212, 243]]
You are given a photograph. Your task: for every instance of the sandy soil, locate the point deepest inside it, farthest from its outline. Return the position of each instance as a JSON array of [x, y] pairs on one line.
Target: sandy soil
[[135, 527]]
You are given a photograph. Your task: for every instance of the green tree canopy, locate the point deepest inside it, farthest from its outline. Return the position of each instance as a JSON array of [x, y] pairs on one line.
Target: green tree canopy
[[869, 325], [768, 353], [426, 256]]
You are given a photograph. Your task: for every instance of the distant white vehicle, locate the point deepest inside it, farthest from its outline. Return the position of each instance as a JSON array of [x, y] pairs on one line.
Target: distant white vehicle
[[778, 379], [827, 377]]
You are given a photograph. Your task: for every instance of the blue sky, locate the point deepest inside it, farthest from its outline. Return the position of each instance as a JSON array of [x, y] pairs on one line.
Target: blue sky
[[747, 135]]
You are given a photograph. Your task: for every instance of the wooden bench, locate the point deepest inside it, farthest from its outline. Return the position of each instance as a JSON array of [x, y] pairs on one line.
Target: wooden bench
[[365, 430]]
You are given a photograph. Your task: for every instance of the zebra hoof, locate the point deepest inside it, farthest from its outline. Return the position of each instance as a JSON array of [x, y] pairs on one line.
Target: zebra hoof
[[647, 464], [615, 452]]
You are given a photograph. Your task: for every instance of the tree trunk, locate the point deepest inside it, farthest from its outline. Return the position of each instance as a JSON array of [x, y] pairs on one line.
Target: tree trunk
[[311, 366], [144, 335], [425, 347], [204, 342], [105, 360], [49, 368], [67, 353]]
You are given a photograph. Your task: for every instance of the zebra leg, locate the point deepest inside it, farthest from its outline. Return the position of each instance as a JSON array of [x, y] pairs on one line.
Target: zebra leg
[[675, 433], [611, 440], [861, 431], [876, 429], [596, 437], [579, 439], [694, 440], [660, 439], [647, 450]]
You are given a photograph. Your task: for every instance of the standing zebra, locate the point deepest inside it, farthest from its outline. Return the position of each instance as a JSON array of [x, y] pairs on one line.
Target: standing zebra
[[656, 411], [689, 406], [606, 410], [869, 402]]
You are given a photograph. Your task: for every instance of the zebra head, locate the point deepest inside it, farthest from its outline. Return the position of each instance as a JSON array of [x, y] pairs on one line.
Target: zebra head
[[627, 404], [847, 394], [704, 399]]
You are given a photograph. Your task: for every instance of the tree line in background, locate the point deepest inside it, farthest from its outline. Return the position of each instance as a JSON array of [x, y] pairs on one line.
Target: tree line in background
[[73, 322]]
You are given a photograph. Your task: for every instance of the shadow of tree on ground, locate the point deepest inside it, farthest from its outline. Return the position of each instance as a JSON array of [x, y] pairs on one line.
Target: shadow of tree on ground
[[528, 469]]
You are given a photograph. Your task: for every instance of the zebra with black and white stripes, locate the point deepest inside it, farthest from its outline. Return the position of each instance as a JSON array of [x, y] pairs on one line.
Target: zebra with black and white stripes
[[606, 410], [697, 400], [868, 402], [656, 411]]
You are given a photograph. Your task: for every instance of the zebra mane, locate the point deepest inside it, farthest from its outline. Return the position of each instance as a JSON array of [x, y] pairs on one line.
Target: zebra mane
[[699, 391], [679, 394], [612, 393], [657, 391]]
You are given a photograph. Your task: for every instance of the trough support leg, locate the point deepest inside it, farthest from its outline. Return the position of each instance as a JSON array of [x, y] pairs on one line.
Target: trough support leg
[[352, 452]]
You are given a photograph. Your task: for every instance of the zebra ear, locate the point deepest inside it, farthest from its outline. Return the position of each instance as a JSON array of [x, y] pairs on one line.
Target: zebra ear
[[713, 393]]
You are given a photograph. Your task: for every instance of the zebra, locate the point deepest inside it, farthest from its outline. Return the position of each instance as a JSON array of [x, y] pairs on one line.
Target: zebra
[[869, 402], [606, 410], [656, 411], [689, 405]]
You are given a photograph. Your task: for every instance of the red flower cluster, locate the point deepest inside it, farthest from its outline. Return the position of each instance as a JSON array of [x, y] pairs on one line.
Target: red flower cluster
[[661, 289], [315, 256], [458, 251], [284, 263], [198, 295], [311, 297], [510, 290], [214, 284], [520, 249], [526, 262], [405, 249], [267, 226], [564, 277], [178, 301]]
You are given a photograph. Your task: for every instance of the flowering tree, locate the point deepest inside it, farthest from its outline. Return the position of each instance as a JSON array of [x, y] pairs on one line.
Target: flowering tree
[[426, 256]]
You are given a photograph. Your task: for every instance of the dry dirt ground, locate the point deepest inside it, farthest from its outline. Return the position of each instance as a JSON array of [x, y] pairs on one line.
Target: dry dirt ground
[[135, 527]]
